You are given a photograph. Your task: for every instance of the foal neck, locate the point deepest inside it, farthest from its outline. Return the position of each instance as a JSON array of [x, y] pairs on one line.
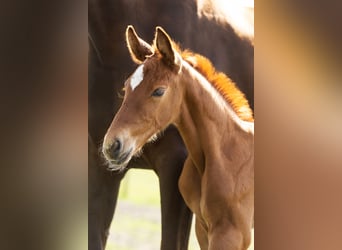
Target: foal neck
[[207, 122]]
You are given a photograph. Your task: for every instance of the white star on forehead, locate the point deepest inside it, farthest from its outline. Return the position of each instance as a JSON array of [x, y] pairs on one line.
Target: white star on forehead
[[137, 77]]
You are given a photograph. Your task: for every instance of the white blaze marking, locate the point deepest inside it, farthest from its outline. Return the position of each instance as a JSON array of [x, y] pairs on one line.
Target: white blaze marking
[[137, 77]]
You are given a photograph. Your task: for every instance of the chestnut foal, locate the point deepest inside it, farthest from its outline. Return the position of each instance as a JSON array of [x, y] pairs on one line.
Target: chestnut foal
[[215, 122]]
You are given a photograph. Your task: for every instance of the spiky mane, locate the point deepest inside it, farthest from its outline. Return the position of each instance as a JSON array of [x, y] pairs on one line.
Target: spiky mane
[[224, 85]]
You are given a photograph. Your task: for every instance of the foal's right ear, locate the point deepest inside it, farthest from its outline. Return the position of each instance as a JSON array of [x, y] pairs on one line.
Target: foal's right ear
[[137, 47]]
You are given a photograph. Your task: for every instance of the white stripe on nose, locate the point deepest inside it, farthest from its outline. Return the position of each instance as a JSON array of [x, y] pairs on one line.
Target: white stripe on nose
[[137, 77]]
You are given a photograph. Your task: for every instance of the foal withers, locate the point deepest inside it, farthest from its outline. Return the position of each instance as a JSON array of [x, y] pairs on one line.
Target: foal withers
[[217, 127]]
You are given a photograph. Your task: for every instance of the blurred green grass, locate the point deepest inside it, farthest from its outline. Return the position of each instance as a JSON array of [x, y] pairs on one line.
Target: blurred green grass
[[140, 187], [136, 224]]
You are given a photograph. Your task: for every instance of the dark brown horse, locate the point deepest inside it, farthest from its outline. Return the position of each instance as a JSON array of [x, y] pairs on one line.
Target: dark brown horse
[[109, 65]]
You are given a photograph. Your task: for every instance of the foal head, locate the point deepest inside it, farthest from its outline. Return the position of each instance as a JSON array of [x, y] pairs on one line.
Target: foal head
[[152, 97]]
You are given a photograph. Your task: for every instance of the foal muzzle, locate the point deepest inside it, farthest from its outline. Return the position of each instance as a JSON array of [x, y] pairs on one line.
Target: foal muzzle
[[117, 153]]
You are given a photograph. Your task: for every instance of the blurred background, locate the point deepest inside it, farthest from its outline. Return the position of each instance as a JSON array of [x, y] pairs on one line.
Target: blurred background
[[196, 25], [44, 125]]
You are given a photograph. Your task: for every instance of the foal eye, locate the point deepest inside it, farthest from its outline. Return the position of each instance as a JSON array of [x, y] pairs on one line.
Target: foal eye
[[158, 92]]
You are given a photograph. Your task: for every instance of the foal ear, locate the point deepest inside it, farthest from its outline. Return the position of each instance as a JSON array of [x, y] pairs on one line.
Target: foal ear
[[164, 45], [137, 47]]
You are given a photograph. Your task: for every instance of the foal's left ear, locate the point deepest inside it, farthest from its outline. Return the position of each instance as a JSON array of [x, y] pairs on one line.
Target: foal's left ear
[[137, 47], [164, 45]]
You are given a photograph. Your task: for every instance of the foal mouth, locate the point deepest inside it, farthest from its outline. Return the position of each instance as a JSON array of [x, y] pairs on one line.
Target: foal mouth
[[121, 161]]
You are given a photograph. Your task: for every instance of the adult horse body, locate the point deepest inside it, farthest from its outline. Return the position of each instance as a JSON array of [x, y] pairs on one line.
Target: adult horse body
[[216, 123], [108, 67]]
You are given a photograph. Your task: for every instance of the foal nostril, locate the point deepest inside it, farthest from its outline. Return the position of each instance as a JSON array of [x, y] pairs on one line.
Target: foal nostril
[[115, 148], [116, 145]]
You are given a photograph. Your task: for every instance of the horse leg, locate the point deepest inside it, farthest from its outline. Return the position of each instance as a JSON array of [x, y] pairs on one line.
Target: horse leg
[[229, 215], [201, 234], [176, 216], [225, 235], [102, 203], [190, 187], [103, 193], [167, 155]]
